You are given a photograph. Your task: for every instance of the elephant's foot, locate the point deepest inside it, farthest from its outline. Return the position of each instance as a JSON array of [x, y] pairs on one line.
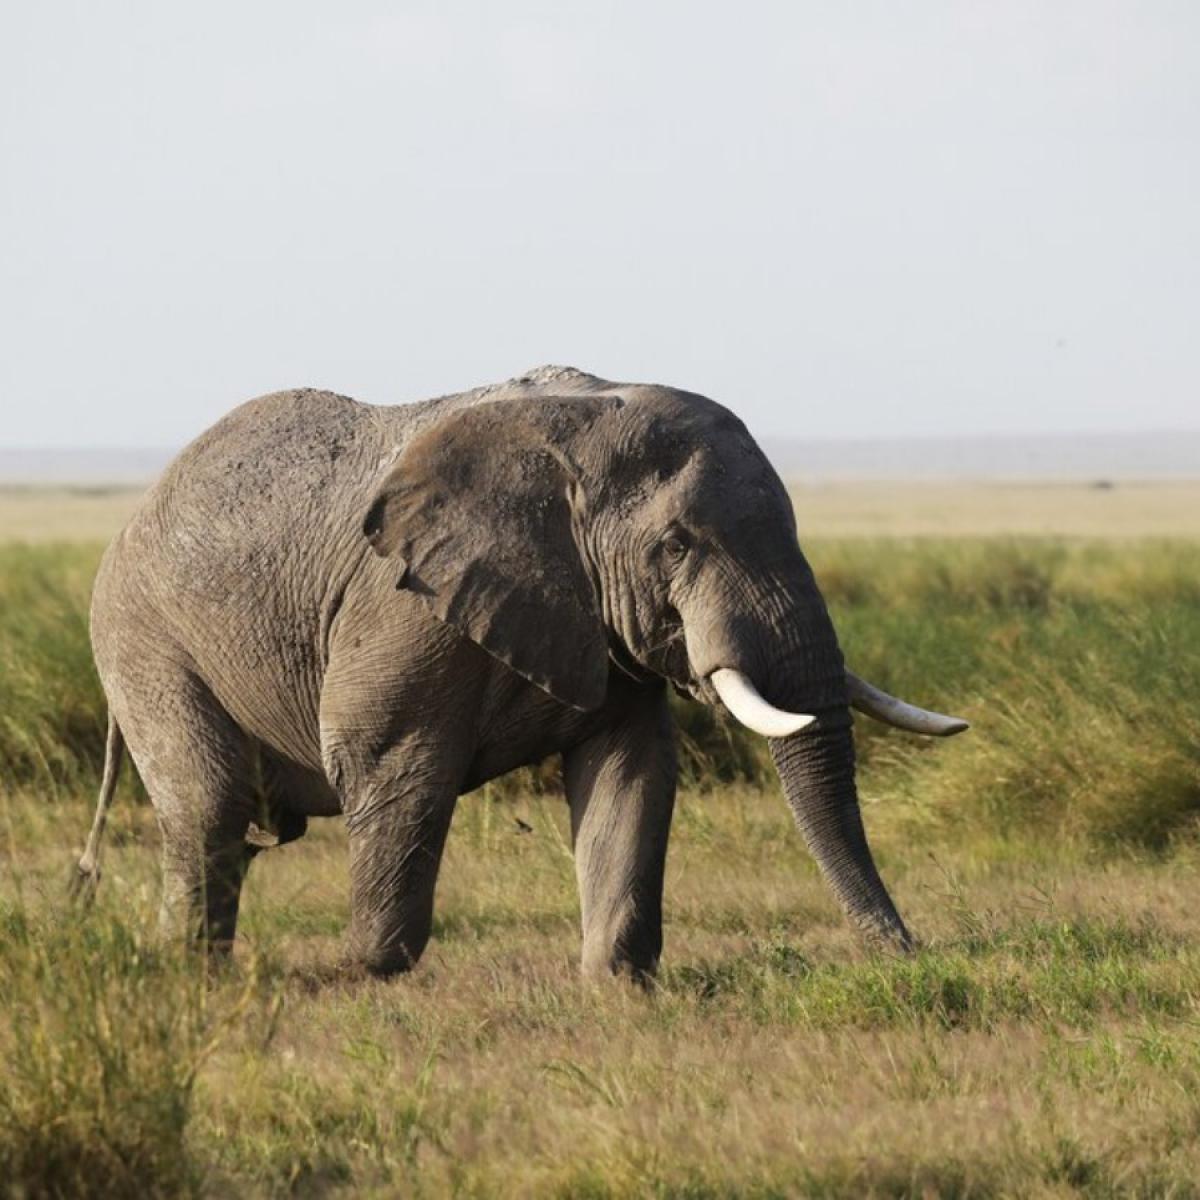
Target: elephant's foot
[[602, 961], [376, 957]]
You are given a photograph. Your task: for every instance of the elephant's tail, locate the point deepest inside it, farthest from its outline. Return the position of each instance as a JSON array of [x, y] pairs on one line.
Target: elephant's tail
[[87, 873]]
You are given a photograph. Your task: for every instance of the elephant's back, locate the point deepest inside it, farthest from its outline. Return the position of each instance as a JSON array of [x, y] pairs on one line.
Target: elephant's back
[[275, 490], [237, 560], [261, 484], [267, 456]]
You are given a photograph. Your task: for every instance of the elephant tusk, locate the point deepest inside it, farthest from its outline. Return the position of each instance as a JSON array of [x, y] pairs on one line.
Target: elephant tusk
[[891, 711], [742, 699]]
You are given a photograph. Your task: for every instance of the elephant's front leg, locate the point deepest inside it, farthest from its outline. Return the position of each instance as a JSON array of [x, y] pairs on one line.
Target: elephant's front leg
[[621, 788], [398, 805], [396, 743], [397, 834]]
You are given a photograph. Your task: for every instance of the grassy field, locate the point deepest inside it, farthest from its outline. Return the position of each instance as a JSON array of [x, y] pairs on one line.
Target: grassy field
[[1045, 1042]]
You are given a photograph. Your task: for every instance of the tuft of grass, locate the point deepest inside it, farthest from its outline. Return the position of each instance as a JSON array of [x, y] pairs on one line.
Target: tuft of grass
[[1046, 974], [103, 1036]]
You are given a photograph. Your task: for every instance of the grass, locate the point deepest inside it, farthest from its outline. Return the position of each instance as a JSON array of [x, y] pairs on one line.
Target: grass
[[96, 1095], [901, 508], [1044, 1042], [1047, 1034]]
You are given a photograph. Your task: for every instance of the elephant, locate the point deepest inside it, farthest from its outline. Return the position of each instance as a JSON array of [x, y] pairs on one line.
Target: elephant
[[326, 608]]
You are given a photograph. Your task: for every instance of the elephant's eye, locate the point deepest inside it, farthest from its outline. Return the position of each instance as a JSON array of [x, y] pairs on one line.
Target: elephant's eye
[[675, 546]]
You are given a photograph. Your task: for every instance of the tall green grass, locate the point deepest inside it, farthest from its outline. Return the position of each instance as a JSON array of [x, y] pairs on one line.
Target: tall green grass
[[52, 718], [1078, 663]]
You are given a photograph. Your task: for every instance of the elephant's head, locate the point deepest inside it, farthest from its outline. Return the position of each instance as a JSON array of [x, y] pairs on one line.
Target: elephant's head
[[567, 524]]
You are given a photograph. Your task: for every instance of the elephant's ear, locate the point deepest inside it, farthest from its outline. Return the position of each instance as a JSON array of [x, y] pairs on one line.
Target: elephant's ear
[[480, 508]]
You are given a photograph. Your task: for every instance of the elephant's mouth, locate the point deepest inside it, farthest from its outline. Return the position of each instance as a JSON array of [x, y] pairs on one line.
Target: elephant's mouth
[[625, 662], [668, 659]]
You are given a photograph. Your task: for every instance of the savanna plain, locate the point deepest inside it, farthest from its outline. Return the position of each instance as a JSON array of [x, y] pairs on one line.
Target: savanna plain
[[1045, 1041]]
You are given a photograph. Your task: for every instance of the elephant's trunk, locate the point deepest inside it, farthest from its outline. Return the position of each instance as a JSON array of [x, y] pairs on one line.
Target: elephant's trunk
[[780, 653], [816, 768]]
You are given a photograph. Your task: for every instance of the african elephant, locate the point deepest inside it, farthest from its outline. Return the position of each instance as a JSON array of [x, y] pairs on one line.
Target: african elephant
[[377, 609]]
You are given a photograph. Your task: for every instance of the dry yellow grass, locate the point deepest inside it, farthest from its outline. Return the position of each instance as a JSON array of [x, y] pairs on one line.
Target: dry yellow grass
[[1125, 510], [830, 510], [1044, 1045], [62, 514]]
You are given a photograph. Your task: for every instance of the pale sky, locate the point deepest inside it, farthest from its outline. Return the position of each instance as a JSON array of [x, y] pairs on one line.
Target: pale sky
[[842, 219]]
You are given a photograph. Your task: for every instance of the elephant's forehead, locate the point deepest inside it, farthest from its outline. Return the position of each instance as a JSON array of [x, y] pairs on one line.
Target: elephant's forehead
[[677, 431], [675, 455], [713, 488]]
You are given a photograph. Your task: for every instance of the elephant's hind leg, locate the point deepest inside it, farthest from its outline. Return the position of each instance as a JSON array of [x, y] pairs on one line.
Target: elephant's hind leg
[[194, 762]]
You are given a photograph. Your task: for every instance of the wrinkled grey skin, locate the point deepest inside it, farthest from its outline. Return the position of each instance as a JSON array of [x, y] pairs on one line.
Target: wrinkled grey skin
[[387, 607]]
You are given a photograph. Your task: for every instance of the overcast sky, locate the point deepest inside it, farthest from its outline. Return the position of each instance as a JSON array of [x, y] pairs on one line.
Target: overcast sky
[[841, 219]]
